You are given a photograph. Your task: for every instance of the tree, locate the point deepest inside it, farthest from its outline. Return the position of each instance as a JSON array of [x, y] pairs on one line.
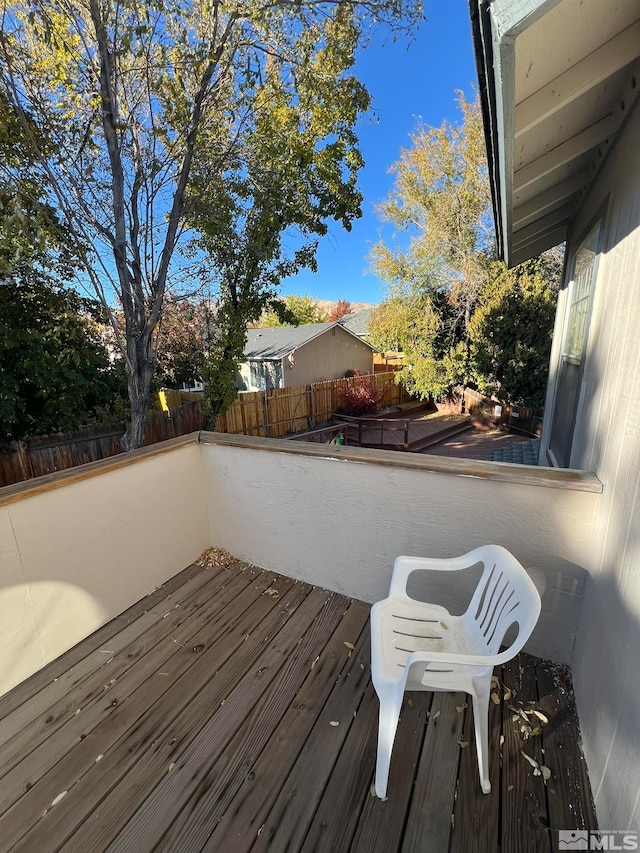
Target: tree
[[417, 326], [56, 372], [33, 240], [440, 209], [511, 333], [341, 309], [295, 311], [295, 172], [134, 97], [181, 341]]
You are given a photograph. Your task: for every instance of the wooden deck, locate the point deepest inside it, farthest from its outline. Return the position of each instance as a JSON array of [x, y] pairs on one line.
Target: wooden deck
[[412, 433], [232, 710]]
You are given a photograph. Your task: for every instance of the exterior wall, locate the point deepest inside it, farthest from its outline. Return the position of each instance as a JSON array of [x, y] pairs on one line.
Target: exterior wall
[[607, 441], [329, 356], [73, 557], [316, 516]]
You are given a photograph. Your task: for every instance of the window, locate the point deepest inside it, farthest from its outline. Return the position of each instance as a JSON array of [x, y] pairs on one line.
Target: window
[[574, 343]]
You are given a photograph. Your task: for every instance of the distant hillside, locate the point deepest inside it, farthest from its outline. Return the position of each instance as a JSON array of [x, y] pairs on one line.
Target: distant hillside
[[327, 306]]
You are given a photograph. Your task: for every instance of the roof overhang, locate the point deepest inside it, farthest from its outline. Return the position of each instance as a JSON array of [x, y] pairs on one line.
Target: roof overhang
[[557, 80]]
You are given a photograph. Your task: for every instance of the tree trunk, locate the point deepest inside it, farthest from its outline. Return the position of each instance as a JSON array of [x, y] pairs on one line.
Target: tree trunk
[[212, 411], [140, 370], [222, 366]]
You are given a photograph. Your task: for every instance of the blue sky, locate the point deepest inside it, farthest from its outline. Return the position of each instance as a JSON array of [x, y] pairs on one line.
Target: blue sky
[[407, 84]]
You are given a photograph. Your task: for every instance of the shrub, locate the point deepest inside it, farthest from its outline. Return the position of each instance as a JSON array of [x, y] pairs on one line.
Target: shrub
[[360, 396]]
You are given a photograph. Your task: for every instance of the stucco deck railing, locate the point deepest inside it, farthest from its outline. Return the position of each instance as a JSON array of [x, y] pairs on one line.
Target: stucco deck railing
[[79, 547]]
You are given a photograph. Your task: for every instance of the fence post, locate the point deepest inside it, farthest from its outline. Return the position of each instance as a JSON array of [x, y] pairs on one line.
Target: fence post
[[266, 415], [312, 414], [406, 434]]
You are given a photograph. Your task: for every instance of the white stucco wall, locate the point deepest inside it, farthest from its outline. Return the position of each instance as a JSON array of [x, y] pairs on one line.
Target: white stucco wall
[[73, 557], [341, 524], [607, 441]]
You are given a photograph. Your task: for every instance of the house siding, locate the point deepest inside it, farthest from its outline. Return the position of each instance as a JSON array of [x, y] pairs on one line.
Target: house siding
[[326, 357], [607, 440]]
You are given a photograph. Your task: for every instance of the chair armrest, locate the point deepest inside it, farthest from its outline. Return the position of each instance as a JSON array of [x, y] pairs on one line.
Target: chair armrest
[[404, 566], [461, 660]]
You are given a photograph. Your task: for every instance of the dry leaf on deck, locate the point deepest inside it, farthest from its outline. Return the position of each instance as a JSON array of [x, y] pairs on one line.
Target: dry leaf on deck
[[544, 719]]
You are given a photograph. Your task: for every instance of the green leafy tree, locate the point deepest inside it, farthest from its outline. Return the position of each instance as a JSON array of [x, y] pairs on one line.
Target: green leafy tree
[[295, 311], [56, 371], [137, 98], [33, 240], [417, 326], [511, 333], [438, 263], [295, 173]]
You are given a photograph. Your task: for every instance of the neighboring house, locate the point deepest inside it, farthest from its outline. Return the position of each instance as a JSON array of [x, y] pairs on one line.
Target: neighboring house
[[358, 323], [283, 356], [559, 84]]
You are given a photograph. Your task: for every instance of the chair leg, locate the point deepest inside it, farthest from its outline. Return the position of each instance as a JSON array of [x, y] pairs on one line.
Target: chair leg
[[481, 723], [387, 724]]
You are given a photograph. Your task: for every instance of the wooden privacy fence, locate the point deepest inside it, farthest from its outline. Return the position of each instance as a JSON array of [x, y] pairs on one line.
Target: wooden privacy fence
[[273, 413], [44, 454], [521, 419], [281, 411]]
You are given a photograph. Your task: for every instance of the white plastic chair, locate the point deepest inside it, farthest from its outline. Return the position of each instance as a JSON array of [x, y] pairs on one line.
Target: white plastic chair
[[418, 646]]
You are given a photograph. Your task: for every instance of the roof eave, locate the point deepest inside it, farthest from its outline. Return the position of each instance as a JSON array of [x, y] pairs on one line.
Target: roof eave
[[495, 26]]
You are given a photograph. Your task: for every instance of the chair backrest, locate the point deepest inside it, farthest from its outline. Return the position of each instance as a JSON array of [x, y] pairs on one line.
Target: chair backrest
[[505, 595]]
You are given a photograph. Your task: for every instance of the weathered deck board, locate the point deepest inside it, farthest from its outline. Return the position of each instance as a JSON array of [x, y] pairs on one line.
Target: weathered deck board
[[215, 734], [134, 725], [56, 678], [476, 815], [205, 688], [288, 821], [431, 810], [382, 822], [126, 649], [568, 788], [524, 796], [246, 813], [122, 703], [196, 767]]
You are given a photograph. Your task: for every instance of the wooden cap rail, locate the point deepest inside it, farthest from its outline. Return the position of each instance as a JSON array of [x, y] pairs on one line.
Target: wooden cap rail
[[504, 472]]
